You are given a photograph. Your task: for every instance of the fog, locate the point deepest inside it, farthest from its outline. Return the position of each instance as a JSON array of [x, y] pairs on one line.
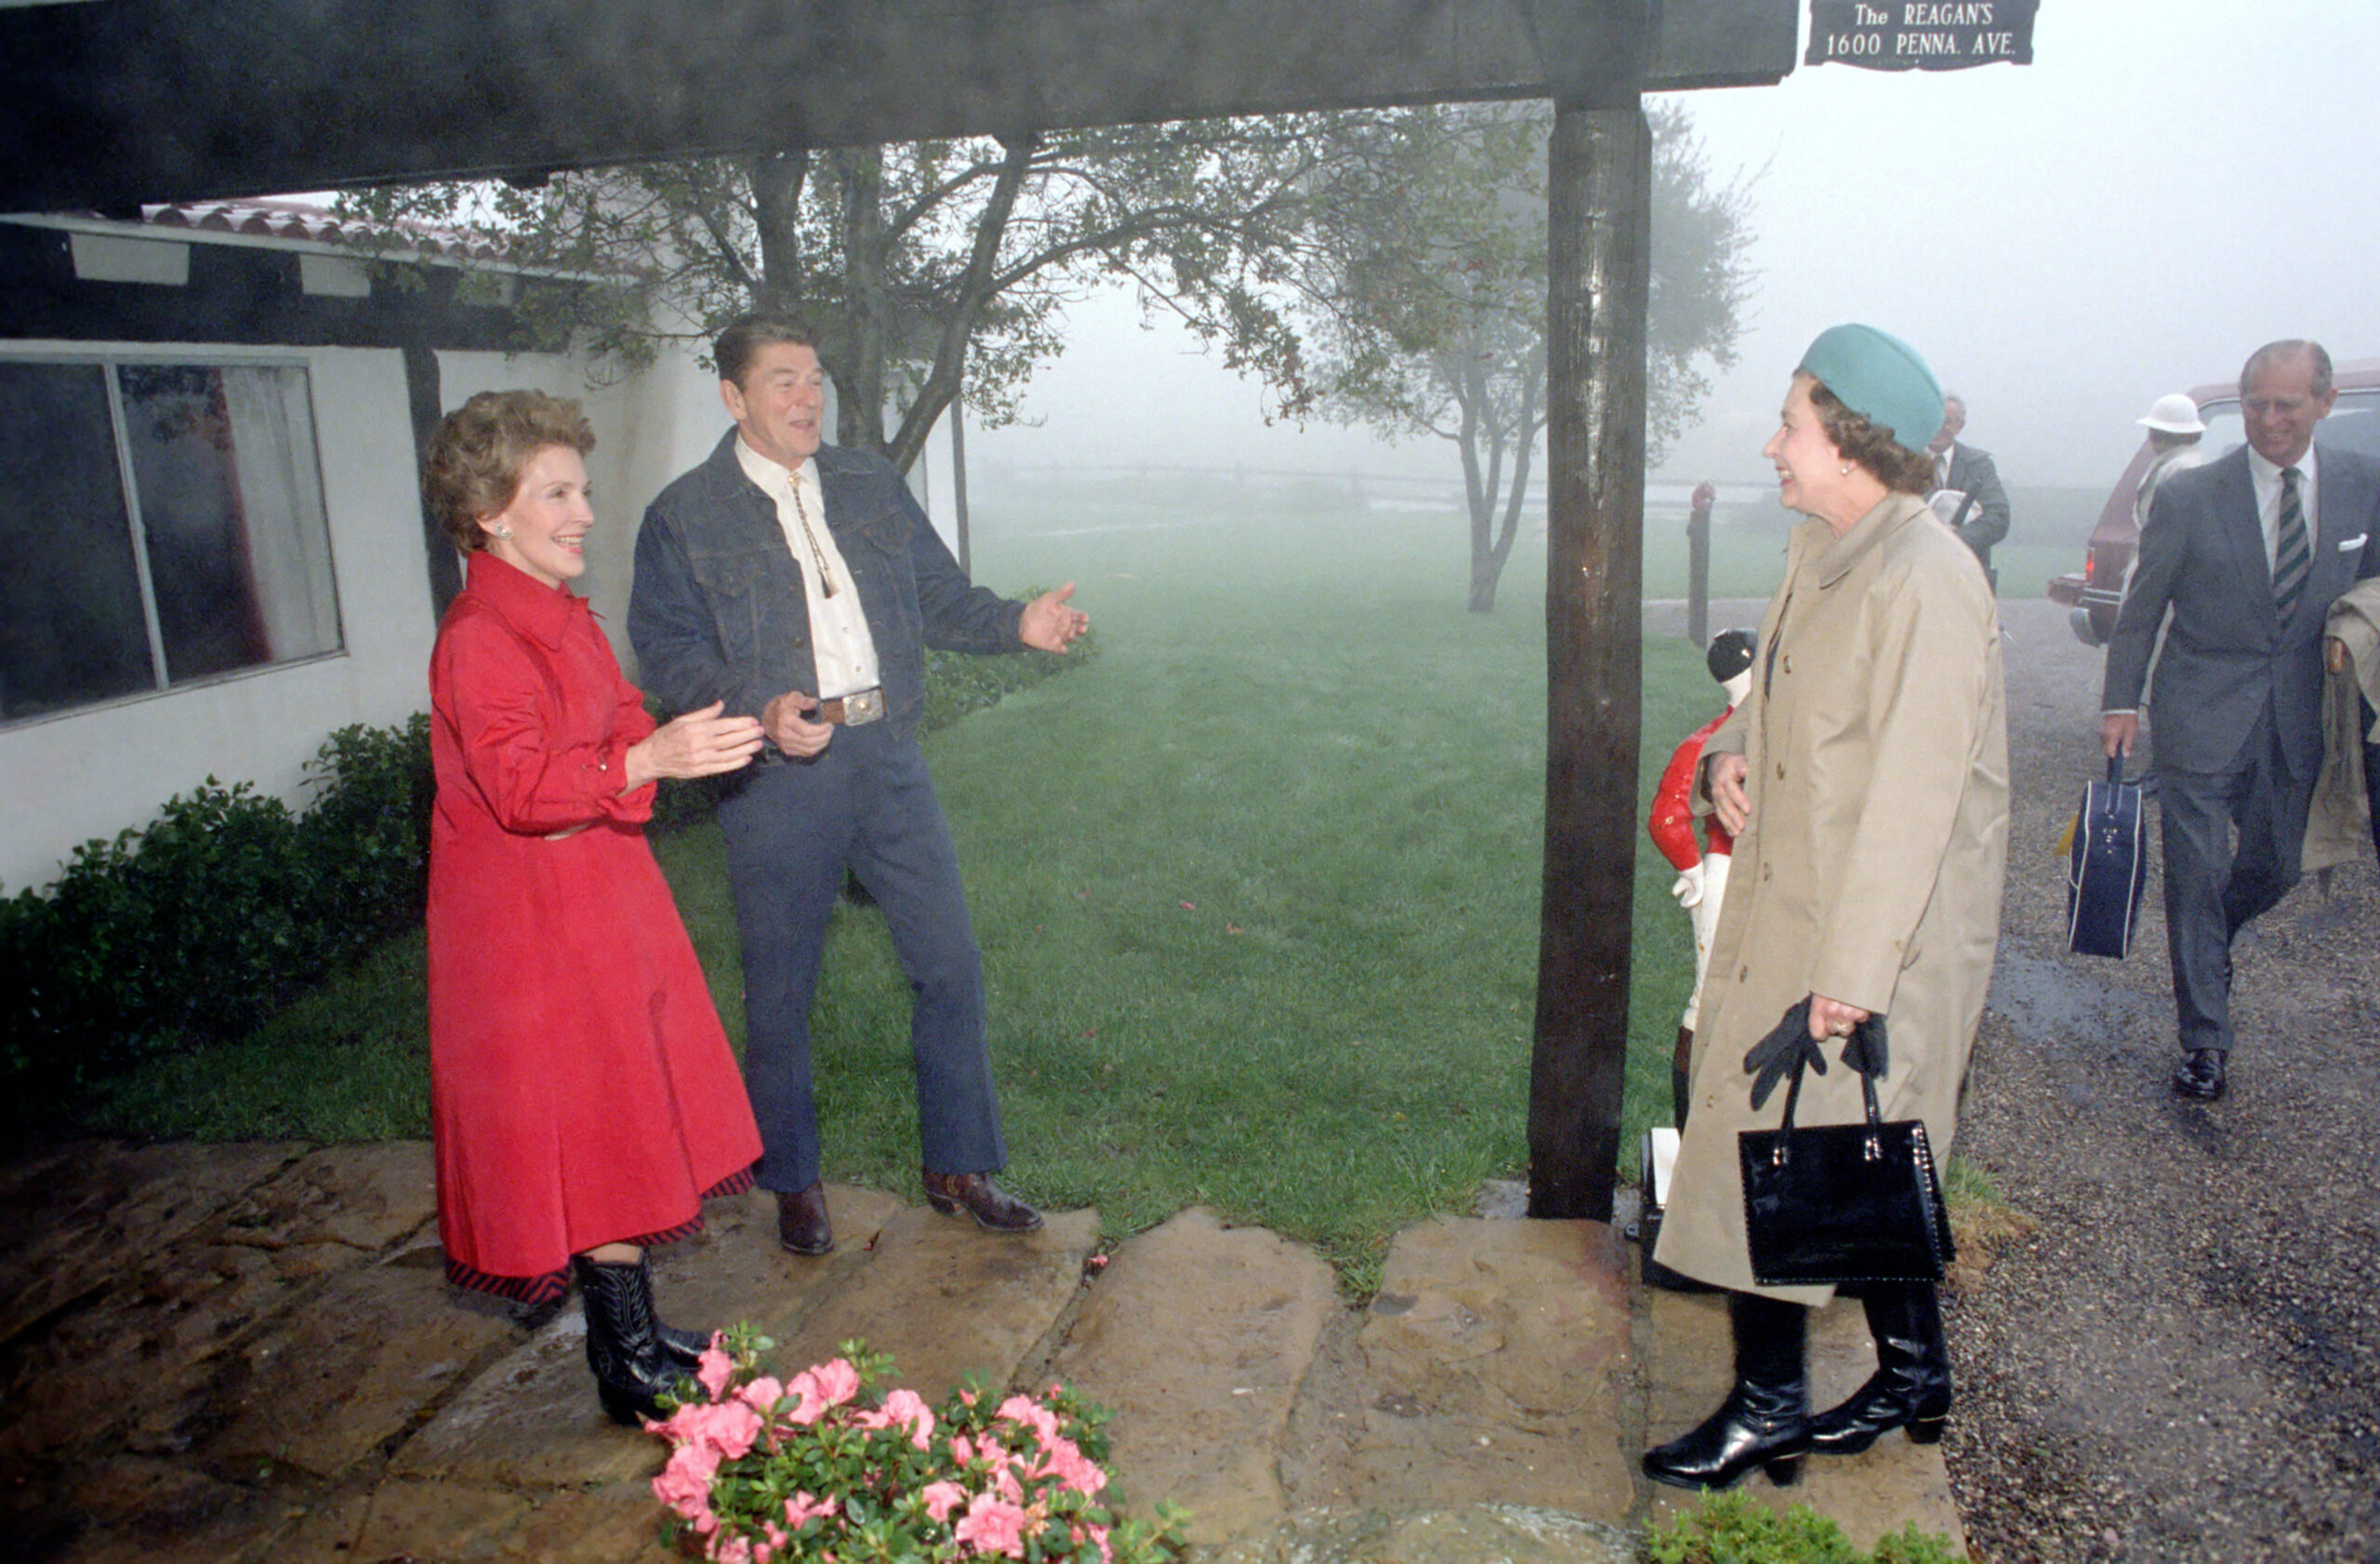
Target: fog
[[2169, 184]]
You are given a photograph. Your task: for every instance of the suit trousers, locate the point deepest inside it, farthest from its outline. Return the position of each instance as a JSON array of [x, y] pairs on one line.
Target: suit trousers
[[2233, 842], [865, 808]]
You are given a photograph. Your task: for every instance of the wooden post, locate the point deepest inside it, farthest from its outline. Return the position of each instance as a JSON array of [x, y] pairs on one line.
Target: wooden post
[[1600, 167], [1698, 565]]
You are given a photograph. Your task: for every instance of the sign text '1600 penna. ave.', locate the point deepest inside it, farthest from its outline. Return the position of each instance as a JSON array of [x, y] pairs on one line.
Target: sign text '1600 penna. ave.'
[[1921, 34]]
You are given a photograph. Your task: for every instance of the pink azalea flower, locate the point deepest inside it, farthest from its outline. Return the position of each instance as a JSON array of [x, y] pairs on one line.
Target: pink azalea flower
[[1040, 1419], [809, 1405], [992, 1526], [1005, 1483], [714, 1371], [801, 1508], [762, 1395], [962, 1449], [685, 1483], [730, 1550], [1063, 1459], [941, 1498], [908, 1407], [837, 1381], [727, 1427]]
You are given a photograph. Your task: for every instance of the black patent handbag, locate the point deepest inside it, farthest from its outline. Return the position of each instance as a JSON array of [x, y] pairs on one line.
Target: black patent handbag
[[1830, 1204]]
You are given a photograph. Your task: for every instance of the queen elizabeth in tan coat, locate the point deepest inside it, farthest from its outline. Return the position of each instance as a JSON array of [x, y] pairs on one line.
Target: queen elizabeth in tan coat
[[1866, 777]]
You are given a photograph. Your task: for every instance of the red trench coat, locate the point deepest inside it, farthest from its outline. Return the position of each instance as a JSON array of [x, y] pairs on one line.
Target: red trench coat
[[582, 1092]]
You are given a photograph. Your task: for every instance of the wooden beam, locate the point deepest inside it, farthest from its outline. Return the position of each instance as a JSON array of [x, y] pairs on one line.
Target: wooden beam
[[1600, 165], [111, 103]]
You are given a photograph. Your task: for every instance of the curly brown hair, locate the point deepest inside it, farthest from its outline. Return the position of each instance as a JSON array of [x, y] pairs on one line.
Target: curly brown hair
[[1889, 462], [479, 450]]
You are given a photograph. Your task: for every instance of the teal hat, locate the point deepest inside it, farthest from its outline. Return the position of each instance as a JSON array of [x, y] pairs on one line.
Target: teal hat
[[1880, 378]]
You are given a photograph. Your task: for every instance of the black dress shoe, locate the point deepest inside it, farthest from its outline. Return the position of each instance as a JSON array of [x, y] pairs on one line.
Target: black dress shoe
[[802, 1226], [2200, 1075], [992, 1207]]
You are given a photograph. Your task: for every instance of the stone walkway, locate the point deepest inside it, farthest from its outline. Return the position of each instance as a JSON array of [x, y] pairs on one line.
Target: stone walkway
[[247, 1353]]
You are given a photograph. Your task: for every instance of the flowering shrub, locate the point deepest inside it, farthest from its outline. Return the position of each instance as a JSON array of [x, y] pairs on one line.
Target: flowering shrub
[[825, 1467]]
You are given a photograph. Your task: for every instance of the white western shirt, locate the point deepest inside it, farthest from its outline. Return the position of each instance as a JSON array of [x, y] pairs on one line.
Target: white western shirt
[[839, 643]]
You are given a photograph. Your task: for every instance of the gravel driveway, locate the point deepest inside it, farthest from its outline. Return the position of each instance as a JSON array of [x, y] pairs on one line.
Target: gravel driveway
[[2181, 1359]]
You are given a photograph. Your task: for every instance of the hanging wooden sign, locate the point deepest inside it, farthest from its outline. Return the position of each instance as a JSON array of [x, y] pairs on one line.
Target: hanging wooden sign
[[1921, 34]]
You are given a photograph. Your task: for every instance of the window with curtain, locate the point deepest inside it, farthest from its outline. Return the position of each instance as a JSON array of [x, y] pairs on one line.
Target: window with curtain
[[162, 523]]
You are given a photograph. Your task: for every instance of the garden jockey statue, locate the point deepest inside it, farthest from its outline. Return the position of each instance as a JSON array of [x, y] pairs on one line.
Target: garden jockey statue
[[1702, 875]]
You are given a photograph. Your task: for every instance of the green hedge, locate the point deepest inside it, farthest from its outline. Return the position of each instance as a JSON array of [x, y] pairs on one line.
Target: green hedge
[[201, 924]]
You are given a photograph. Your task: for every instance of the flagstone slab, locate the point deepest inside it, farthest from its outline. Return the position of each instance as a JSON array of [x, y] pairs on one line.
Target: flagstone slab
[[1496, 1359], [366, 1197], [618, 1522], [81, 1217], [1496, 1533], [351, 1367], [449, 1522], [1197, 1336], [413, 1522], [322, 1530], [531, 1418], [141, 1362], [735, 1271], [152, 1511], [946, 1299]]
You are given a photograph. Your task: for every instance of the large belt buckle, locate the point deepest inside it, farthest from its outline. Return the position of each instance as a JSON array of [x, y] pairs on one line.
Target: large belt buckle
[[866, 707]]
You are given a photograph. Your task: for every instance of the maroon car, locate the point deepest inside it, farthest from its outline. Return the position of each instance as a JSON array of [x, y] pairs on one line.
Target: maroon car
[[2097, 592]]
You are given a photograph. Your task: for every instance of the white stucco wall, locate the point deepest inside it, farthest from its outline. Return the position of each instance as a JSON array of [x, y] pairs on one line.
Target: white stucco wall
[[97, 771]]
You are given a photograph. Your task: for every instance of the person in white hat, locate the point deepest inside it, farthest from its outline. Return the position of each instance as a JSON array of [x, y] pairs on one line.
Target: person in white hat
[[2174, 428]]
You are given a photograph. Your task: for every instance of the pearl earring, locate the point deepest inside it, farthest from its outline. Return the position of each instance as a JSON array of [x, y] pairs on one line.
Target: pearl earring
[[506, 532], [1847, 472]]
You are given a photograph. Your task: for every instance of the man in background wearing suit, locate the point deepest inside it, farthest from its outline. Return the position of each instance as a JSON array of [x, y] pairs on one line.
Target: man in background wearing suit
[[2243, 557], [1980, 514]]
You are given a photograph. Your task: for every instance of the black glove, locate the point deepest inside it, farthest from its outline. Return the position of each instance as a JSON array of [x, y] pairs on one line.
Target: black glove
[[1864, 1050], [1774, 1057]]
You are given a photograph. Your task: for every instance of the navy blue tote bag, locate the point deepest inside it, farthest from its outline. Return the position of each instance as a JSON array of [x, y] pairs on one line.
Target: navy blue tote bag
[[2107, 867]]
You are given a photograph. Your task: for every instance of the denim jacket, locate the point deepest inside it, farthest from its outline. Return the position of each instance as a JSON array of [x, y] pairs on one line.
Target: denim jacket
[[718, 611]]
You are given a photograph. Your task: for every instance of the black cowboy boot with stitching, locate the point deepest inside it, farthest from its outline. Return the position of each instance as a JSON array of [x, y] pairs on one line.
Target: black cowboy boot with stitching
[[1911, 1386], [1764, 1420], [624, 1346]]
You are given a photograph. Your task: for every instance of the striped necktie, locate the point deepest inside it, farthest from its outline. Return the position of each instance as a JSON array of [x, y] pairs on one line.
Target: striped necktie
[[2293, 555]]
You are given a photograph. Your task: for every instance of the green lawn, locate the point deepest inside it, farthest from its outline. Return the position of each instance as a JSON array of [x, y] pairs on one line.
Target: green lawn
[[1257, 891]]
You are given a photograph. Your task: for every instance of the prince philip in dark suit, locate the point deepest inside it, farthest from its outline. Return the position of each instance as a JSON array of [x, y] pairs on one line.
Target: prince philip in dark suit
[[2238, 565]]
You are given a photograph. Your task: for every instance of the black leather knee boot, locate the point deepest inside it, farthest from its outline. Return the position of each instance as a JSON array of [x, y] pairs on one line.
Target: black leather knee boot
[[623, 1345], [1911, 1386], [1764, 1420]]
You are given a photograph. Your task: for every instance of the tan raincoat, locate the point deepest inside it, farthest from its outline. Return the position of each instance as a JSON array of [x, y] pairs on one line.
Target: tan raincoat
[[1876, 732]]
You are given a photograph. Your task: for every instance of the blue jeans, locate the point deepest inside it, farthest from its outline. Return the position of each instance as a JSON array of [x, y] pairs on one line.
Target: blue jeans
[[865, 808]]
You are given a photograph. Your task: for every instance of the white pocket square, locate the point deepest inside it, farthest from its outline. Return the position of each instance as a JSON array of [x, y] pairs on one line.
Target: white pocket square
[[2355, 542]]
